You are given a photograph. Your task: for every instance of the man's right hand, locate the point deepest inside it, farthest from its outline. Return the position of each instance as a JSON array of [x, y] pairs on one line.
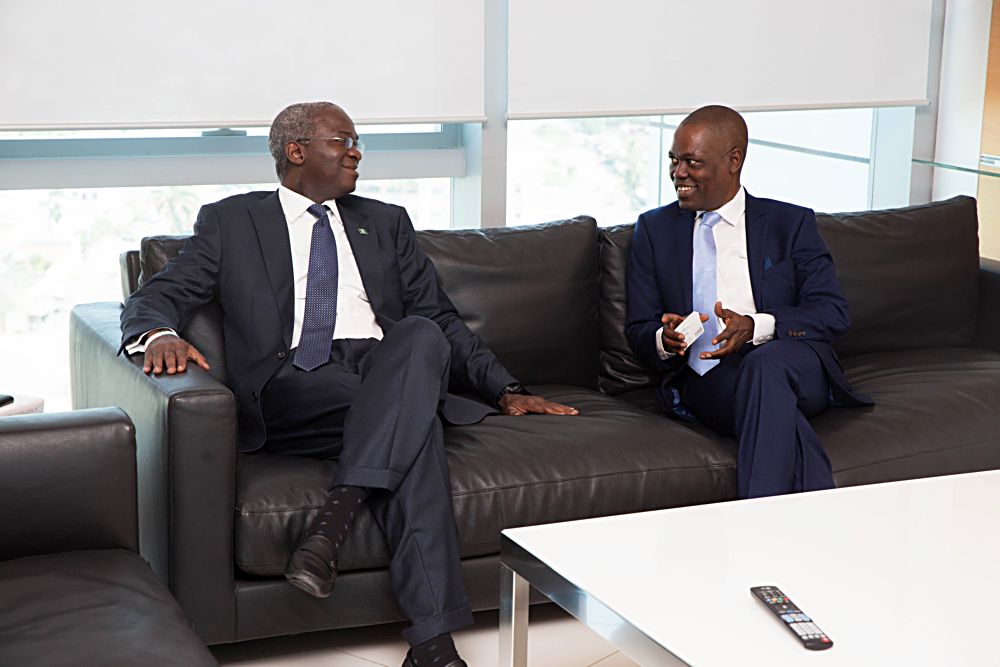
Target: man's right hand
[[171, 353], [672, 341]]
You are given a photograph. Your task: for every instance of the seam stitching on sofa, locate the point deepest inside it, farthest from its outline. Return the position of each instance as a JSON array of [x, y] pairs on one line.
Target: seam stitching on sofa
[[717, 466], [919, 454], [713, 466]]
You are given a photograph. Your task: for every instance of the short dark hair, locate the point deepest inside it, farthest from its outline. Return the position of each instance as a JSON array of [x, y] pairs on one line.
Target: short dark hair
[[294, 122], [724, 121]]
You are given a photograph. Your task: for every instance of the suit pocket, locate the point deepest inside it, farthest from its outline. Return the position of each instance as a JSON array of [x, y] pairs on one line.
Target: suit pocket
[[774, 269], [779, 284]]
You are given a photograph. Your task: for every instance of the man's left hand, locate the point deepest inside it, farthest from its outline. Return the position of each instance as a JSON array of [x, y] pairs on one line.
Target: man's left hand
[[739, 330], [521, 404]]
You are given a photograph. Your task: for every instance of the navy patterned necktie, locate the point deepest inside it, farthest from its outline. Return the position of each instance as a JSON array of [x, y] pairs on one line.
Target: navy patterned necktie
[[321, 295]]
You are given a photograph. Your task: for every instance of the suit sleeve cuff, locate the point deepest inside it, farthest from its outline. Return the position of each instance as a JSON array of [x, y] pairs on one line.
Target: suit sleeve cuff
[[664, 355], [140, 343], [763, 328]]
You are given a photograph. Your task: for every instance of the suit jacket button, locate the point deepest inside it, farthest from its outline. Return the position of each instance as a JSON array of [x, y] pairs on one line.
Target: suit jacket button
[[281, 355]]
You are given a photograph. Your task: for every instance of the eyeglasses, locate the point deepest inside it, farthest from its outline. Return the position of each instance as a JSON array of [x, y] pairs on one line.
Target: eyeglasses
[[348, 142]]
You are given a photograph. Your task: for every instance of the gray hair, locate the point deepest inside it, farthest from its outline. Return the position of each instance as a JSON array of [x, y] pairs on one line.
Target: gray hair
[[291, 124]]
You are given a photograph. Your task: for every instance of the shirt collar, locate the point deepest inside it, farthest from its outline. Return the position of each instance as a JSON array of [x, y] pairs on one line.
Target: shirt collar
[[294, 205], [732, 211]]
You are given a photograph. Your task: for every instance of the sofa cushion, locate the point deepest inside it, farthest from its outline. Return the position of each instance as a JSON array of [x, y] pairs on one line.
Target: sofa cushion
[[935, 414], [506, 471], [620, 369], [529, 292], [912, 270], [101, 607]]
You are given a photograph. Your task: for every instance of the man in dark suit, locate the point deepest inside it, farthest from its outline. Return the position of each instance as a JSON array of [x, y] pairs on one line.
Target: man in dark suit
[[338, 344], [762, 280]]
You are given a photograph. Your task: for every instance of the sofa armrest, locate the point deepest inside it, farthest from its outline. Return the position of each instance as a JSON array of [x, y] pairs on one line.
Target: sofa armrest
[[67, 483], [185, 427], [988, 320]]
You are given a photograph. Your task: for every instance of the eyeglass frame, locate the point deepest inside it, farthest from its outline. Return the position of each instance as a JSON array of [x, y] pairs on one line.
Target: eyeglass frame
[[348, 142]]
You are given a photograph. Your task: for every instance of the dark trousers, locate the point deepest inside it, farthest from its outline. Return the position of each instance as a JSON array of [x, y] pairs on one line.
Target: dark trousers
[[375, 408], [765, 396]]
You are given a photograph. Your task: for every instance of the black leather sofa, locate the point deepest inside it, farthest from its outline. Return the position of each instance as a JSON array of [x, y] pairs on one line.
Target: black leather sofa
[[73, 589], [549, 299]]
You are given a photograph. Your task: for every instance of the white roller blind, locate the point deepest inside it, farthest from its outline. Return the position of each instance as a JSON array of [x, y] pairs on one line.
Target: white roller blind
[[198, 63], [645, 57]]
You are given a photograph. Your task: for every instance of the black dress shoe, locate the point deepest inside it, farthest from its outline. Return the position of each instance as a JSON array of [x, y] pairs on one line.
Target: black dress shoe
[[457, 662], [311, 567]]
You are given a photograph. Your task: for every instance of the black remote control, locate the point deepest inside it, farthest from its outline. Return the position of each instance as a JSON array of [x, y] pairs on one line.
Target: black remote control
[[801, 625]]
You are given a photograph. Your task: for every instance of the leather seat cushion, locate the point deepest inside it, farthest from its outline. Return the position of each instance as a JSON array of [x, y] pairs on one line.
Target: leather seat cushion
[[102, 607], [506, 471], [935, 413]]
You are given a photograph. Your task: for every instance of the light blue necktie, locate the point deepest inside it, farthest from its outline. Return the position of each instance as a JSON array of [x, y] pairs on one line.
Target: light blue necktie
[[704, 292], [321, 295]]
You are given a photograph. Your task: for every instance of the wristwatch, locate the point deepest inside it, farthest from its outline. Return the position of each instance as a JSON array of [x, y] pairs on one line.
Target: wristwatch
[[512, 388]]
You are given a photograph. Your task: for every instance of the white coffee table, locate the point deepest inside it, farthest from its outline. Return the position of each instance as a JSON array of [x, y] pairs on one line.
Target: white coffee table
[[904, 573]]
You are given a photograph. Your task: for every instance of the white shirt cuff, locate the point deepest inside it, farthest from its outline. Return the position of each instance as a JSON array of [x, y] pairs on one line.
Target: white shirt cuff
[[664, 355], [763, 328], [144, 340]]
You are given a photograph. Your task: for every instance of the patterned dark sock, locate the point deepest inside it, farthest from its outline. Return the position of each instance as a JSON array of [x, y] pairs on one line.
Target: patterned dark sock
[[434, 652], [336, 517]]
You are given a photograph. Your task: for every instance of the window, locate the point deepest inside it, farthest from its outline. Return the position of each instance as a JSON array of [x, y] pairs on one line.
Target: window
[[615, 168], [62, 243]]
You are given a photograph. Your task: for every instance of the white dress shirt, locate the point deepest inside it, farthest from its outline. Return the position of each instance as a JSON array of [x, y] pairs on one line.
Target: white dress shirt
[[355, 317], [732, 272]]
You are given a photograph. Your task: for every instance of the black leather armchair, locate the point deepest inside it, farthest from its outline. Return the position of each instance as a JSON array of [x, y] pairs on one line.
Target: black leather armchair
[[73, 589]]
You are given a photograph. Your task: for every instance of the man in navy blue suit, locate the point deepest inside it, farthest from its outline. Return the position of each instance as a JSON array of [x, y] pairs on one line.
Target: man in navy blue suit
[[762, 280], [339, 343]]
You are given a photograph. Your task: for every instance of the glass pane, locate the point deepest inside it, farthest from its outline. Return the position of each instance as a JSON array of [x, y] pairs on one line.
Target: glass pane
[[844, 131], [61, 248], [427, 200], [604, 167], [817, 159]]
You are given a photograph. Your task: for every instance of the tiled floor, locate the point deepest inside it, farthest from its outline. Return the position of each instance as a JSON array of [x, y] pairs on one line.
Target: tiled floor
[[555, 639]]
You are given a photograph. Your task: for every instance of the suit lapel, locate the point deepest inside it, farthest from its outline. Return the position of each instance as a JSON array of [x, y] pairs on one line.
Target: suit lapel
[[272, 234], [365, 246], [756, 231], [683, 230]]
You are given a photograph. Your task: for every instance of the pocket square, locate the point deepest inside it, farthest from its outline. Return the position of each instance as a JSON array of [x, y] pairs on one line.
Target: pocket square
[[767, 263]]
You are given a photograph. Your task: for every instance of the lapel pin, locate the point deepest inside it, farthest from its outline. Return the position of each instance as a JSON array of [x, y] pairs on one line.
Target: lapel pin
[[362, 231]]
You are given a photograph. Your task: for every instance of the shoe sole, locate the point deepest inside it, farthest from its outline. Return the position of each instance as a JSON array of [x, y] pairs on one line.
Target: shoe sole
[[310, 585]]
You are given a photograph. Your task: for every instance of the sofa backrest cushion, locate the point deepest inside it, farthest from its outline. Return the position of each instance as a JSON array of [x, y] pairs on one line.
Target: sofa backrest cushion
[[620, 369], [530, 292], [911, 275]]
